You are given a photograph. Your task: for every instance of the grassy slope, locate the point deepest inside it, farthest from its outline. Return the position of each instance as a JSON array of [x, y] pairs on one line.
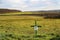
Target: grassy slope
[[21, 25]]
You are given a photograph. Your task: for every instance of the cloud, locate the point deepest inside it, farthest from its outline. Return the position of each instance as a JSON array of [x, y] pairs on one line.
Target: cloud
[[30, 4], [17, 4]]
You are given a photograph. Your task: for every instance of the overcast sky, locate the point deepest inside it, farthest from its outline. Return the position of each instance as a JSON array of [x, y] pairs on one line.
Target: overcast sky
[[26, 5]]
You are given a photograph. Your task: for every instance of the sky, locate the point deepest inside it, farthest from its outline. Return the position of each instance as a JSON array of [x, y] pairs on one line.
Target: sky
[[30, 5]]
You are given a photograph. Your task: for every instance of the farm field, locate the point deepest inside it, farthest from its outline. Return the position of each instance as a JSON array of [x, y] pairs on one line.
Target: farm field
[[19, 28]]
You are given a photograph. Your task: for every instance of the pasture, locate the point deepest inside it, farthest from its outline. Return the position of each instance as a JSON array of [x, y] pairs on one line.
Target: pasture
[[19, 28]]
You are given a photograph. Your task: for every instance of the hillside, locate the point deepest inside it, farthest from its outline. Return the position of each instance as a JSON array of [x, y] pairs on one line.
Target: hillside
[[8, 11], [48, 14]]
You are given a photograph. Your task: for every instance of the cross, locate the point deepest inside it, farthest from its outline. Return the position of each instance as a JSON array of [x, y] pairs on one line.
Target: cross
[[35, 28]]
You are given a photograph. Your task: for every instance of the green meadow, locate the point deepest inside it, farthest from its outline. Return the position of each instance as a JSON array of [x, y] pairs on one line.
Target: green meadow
[[19, 28]]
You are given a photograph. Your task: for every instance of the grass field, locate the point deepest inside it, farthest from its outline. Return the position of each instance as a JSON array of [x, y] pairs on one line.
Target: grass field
[[19, 28]]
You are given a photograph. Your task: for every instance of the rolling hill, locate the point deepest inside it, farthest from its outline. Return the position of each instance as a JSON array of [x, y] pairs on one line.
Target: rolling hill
[[8, 11]]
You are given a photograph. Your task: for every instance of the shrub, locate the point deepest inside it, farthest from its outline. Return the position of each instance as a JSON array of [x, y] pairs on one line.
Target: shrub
[[56, 38]]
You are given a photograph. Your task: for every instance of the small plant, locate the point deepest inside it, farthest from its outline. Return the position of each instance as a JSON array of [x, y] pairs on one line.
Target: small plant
[[39, 36], [52, 34], [19, 38], [56, 38], [25, 36]]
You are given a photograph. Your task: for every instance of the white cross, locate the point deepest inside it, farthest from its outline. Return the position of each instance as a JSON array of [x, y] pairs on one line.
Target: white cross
[[35, 27]]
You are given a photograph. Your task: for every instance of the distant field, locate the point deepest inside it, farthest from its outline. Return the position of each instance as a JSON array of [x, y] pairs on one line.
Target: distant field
[[45, 15], [19, 27], [15, 13]]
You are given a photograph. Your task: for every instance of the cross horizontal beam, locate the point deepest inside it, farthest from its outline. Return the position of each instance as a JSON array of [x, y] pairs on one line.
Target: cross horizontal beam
[[34, 26]]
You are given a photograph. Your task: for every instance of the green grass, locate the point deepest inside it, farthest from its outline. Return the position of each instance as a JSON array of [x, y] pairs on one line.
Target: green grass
[[15, 13], [19, 27]]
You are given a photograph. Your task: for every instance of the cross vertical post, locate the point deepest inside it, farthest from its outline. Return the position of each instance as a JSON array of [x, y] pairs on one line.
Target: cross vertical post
[[35, 28]]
